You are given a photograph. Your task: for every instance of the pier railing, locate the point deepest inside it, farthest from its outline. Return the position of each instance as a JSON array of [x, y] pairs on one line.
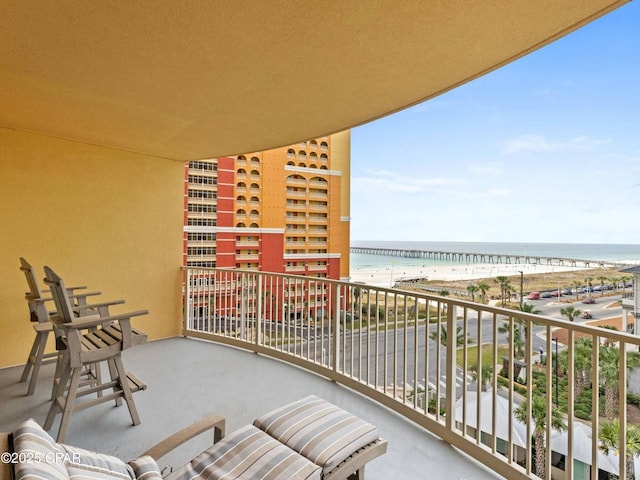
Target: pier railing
[[528, 396], [488, 258]]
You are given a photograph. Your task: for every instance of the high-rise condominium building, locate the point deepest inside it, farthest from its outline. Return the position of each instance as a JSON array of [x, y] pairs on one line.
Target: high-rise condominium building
[[284, 210]]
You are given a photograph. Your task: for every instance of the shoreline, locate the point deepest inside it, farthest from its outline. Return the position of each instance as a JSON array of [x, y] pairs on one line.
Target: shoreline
[[388, 276]]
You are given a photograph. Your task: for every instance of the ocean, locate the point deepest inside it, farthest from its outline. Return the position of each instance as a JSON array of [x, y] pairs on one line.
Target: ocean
[[625, 253]]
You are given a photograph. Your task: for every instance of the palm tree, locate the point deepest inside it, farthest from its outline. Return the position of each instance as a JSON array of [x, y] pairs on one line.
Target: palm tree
[[442, 337], [484, 288], [539, 417], [609, 436], [517, 341], [577, 284], [609, 363], [472, 289], [529, 308], [589, 281], [526, 308], [582, 365], [504, 287], [615, 281], [602, 279], [570, 312]]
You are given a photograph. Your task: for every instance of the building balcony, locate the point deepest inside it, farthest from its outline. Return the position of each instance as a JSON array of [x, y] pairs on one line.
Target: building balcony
[[374, 352], [628, 301], [247, 257], [248, 243]]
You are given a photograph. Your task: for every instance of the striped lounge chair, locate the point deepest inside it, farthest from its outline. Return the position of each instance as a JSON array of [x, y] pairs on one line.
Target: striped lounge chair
[[308, 439]]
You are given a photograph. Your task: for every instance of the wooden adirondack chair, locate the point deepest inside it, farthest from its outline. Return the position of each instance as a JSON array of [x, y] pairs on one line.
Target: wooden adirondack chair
[[90, 340], [39, 315]]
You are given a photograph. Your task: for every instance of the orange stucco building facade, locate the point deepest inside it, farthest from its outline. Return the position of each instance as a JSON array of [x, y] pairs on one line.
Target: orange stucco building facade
[[284, 210]]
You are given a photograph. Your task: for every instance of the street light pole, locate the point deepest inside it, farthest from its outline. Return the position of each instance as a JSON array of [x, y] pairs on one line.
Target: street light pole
[[521, 286]]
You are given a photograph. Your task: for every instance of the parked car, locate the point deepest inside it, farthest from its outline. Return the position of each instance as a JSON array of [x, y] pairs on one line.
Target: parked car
[[586, 315], [589, 300], [567, 291], [533, 296], [556, 293], [545, 294]]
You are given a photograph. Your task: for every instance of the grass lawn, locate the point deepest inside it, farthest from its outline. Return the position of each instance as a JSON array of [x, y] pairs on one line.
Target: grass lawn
[[487, 355]]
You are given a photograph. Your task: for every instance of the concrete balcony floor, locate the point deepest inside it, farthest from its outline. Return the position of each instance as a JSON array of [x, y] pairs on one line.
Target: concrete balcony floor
[[189, 379]]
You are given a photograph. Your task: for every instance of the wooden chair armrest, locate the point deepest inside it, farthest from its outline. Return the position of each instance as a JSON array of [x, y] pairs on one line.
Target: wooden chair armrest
[[215, 422], [88, 306], [84, 294], [72, 289], [94, 321], [69, 290]]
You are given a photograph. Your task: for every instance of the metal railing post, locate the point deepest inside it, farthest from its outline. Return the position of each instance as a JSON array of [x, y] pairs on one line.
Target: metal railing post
[[451, 367], [337, 305]]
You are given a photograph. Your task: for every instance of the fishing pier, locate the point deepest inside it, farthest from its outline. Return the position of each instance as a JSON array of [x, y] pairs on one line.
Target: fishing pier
[[487, 258]]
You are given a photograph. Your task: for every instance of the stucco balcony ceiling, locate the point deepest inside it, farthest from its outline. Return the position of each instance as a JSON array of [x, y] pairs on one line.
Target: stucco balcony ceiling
[[198, 79]]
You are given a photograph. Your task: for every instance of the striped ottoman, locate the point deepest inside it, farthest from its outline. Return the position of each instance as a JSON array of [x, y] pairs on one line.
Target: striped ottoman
[[319, 431], [248, 454]]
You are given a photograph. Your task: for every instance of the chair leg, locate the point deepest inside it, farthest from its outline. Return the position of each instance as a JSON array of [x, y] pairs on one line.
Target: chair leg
[[69, 404], [113, 372], [126, 391], [32, 355], [59, 387], [41, 338]]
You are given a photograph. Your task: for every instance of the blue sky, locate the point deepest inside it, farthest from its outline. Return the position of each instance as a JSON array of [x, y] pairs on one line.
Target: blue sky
[[545, 149]]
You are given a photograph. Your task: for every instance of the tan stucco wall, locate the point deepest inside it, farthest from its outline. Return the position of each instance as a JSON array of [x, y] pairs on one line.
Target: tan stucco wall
[[104, 218], [341, 160]]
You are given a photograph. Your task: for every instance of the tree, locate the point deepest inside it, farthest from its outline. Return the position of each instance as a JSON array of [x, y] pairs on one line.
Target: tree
[[529, 308], [609, 435], [602, 279], [484, 288], [472, 289], [570, 312], [442, 336], [539, 418], [609, 363], [517, 341], [505, 286], [589, 281], [615, 281], [582, 364], [577, 285]]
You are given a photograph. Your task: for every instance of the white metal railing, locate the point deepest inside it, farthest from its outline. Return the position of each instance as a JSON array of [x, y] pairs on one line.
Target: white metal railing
[[395, 346]]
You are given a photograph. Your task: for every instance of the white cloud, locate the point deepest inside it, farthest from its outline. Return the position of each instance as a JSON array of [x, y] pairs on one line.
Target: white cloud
[[539, 143], [384, 181]]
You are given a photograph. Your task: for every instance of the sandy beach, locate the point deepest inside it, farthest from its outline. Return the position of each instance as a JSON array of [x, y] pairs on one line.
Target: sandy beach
[[387, 276]]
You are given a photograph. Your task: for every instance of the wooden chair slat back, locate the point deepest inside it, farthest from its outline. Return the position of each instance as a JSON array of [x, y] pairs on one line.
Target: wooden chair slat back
[[35, 293], [59, 294]]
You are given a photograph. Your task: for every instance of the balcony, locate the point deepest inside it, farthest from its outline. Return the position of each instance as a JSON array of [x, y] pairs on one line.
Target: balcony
[[372, 352]]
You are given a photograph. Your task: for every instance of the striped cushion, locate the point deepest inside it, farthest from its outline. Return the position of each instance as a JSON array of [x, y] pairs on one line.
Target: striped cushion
[[83, 464], [145, 468], [44, 457], [318, 430], [248, 454]]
